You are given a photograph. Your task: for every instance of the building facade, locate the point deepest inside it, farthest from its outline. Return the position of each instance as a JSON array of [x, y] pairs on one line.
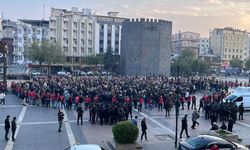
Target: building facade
[[23, 35], [185, 40], [203, 46], [74, 30], [108, 33], [229, 43], [146, 47]]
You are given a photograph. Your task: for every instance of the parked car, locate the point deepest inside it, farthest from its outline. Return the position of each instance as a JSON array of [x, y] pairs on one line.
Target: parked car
[[35, 73], [203, 142], [85, 147], [63, 73]]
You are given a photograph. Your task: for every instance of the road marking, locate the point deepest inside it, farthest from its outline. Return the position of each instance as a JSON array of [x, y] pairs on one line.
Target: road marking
[[244, 124], [10, 106], [156, 122], [47, 122], [72, 140], [9, 145]]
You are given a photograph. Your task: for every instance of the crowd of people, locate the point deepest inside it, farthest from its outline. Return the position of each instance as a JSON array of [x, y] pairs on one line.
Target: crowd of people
[[111, 99]]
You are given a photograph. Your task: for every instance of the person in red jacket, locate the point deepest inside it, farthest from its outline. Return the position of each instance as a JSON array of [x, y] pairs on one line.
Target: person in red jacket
[[189, 99], [160, 103], [141, 101], [182, 100], [87, 100], [114, 100]]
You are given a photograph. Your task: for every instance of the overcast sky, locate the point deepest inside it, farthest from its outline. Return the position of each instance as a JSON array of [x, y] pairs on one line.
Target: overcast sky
[[187, 15]]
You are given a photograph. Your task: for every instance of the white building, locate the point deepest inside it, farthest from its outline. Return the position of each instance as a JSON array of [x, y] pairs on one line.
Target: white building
[[185, 40], [74, 31], [229, 43], [23, 35], [203, 46], [108, 33]]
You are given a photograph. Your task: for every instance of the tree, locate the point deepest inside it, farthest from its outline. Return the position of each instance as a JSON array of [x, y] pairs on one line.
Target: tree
[[188, 64], [236, 63], [93, 60], [110, 60], [44, 52], [247, 64]]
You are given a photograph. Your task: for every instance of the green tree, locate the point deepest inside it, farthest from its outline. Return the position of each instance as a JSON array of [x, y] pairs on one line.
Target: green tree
[[247, 64], [236, 63], [110, 60], [45, 52], [94, 60]]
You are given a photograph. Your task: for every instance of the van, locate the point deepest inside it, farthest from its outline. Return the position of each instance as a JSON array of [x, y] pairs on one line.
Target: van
[[240, 95]]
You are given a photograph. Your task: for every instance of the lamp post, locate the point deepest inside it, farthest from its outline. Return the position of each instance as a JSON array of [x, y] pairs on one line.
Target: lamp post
[[3, 50], [177, 105]]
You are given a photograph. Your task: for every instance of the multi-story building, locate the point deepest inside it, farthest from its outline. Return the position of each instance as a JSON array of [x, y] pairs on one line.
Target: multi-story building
[[23, 35], [185, 40], [108, 33], [203, 46], [74, 30], [0, 28], [229, 43]]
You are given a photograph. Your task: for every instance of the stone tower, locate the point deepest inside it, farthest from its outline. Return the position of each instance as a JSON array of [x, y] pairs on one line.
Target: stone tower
[[146, 47]]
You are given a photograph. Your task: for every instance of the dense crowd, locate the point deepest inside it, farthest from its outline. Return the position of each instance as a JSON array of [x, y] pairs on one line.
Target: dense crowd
[[111, 99]]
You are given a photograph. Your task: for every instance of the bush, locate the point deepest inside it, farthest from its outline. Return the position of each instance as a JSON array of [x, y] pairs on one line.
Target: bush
[[125, 132]]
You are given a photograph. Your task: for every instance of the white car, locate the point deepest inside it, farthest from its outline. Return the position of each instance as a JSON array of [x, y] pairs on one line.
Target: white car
[[36, 73], [86, 147], [63, 73]]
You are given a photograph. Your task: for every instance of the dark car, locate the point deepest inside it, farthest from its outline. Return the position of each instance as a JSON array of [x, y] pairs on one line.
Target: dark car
[[203, 142]]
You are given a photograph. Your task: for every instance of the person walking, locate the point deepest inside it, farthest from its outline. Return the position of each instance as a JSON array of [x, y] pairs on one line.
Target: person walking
[[60, 119], [7, 127], [144, 129], [134, 121], [241, 111], [13, 128], [184, 125], [79, 114], [2, 98], [195, 117]]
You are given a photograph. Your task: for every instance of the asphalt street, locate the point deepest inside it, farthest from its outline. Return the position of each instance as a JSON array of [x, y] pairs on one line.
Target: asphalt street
[[38, 126]]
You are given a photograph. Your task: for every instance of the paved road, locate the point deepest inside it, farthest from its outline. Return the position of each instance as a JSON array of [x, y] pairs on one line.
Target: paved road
[[37, 128]]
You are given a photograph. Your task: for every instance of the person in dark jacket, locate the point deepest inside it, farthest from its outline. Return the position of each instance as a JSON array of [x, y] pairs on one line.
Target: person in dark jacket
[[241, 111], [60, 119], [223, 126], [230, 124], [79, 114], [184, 125], [215, 126], [7, 127], [144, 129], [13, 128]]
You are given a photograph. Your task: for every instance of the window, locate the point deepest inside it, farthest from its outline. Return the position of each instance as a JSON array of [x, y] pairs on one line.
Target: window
[[109, 34], [82, 25], [90, 25], [116, 42], [75, 41], [101, 41], [225, 56], [75, 24], [102, 26], [65, 49], [20, 57], [74, 50], [82, 41], [90, 42], [89, 50], [82, 50], [101, 50]]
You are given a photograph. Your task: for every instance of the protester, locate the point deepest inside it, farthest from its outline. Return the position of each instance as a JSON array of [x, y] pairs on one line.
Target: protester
[[7, 127]]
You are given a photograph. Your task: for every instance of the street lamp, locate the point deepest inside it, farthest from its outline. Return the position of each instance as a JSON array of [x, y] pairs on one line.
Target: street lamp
[[177, 105], [3, 50]]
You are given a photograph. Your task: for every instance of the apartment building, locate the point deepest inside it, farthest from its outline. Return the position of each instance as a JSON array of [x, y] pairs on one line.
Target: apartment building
[[74, 30], [108, 33], [185, 40], [203, 46], [229, 43]]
